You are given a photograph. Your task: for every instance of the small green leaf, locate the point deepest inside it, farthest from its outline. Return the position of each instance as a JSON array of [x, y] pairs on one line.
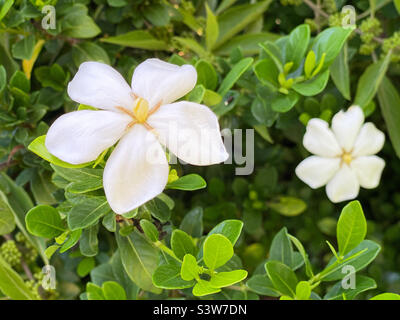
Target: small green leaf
[[217, 250], [149, 230], [189, 269], [262, 285], [140, 39], [113, 291], [85, 266], [158, 209], [362, 284], [38, 147], [297, 44], [203, 288], [386, 296], [282, 277], [192, 222], [189, 182], [228, 228], [303, 290], [94, 292], [44, 221], [351, 227], [313, 86], [236, 72], [168, 276], [370, 80], [182, 244], [72, 240], [288, 206]]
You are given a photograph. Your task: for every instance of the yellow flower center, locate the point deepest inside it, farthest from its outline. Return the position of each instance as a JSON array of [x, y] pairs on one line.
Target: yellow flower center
[[347, 158], [141, 110]]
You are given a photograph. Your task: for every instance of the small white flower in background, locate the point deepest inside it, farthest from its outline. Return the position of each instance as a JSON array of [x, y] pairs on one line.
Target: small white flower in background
[[141, 117], [344, 156]]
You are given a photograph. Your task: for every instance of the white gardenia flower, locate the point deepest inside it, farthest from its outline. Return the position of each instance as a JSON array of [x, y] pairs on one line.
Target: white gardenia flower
[[143, 118], [344, 156]]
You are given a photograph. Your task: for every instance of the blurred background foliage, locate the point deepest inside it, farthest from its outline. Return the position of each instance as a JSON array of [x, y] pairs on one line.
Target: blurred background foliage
[[36, 65]]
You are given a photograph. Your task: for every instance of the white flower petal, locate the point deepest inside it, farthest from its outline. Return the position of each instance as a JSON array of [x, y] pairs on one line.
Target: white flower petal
[[347, 125], [343, 186], [368, 170], [320, 140], [159, 81], [136, 171], [99, 85], [317, 171], [191, 132], [80, 136], [370, 141]]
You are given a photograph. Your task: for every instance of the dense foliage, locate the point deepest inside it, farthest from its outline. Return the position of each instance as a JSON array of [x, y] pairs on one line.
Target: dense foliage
[[265, 65]]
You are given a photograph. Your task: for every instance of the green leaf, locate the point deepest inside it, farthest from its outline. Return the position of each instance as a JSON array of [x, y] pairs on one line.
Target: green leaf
[[330, 41], [303, 253], [351, 227], [235, 19], [158, 209], [262, 285], [386, 296], [189, 269], [340, 73], [192, 45], [248, 43], [38, 147], [192, 222], [44, 221], [139, 258], [188, 182], [389, 101], [89, 51], [20, 203], [168, 276], [6, 6], [234, 74], [217, 250], [267, 72], [87, 212], [51, 250], [282, 277], [149, 230], [12, 285], [72, 240], [85, 266], [281, 248], [206, 74], [197, 94], [297, 45], [303, 290], [140, 39], [203, 288], [94, 292], [182, 244], [23, 49], [212, 29], [225, 279], [77, 24], [109, 222], [288, 206], [89, 243], [313, 86], [284, 102], [43, 189], [228, 228], [370, 81], [362, 284], [157, 14], [359, 262], [113, 291], [7, 220]]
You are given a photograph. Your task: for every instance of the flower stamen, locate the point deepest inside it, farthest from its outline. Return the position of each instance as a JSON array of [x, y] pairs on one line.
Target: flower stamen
[[347, 157], [155, 108], [141, 110]]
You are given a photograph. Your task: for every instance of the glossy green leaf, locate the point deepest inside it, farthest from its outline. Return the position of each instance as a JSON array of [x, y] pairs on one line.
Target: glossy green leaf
[[188, 182], [44, 221], [225, 279], [217, 250], [351, 227], [182, 244], [282, 277]]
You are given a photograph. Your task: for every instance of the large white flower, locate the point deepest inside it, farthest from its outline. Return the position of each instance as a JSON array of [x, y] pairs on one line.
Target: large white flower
[[141, 117], [344, 156]]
